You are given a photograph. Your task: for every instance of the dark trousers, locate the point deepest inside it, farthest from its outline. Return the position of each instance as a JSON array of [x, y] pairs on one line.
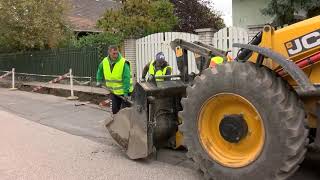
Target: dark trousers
[[117, 103]]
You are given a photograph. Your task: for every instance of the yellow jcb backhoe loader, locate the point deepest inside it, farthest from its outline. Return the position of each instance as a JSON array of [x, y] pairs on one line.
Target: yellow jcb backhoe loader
[[251, 118]]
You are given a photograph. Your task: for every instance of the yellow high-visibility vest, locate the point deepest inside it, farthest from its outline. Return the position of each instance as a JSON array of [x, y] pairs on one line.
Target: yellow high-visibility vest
[[159, 72], [215, 60], [114, 81]]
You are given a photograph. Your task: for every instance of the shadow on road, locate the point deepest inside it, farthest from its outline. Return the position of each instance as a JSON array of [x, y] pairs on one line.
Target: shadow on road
[[309, 168]]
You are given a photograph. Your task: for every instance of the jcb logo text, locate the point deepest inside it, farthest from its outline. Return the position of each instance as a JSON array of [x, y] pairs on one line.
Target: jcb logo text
[[303, 43]]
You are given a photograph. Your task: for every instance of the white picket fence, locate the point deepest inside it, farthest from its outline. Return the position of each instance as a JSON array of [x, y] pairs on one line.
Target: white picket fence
[[147, 48], [224, 39]]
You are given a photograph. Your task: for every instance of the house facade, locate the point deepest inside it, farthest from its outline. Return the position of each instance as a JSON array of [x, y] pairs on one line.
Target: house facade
[[246, 13]]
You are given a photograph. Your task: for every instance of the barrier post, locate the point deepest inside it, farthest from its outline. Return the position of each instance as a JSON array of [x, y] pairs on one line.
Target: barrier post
[[71, 97], [13, 80], [56, 80]]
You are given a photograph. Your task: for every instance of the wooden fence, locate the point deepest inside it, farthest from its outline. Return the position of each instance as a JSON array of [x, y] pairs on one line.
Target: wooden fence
[[147, 48], [224, 38]]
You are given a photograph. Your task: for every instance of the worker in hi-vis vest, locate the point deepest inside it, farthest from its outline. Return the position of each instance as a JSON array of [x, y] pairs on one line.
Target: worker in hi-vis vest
[[214, 61], [116, 72], [157, 67]]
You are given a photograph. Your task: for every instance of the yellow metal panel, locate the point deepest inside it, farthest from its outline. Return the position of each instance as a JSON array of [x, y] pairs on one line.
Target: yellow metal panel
[[234, 155], [280, 40], [315, 73], [179, 139], [282, 37], [310, 106]]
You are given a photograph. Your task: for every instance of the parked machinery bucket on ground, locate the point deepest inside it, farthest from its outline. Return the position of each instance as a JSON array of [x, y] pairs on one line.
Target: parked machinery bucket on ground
[[151, 121]]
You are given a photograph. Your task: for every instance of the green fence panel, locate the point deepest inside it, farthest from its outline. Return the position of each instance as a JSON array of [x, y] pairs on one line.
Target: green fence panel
[[84, 61]]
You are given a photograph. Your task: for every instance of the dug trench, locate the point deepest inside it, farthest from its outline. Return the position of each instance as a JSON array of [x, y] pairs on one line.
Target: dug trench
[[93, 98]]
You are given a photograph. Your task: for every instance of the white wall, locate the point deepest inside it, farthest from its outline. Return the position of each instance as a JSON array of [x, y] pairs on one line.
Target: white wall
[[130, 55], [247, 12]]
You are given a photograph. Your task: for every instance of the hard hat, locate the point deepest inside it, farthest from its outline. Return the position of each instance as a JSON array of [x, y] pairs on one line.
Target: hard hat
[[160, 56]]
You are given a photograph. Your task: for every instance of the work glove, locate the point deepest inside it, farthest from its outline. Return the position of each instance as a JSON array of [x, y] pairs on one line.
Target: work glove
[[98, 84], [151, 78], [126, 97]]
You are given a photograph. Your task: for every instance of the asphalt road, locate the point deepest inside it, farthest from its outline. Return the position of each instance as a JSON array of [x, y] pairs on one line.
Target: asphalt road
[[88, 121], [33, 150]]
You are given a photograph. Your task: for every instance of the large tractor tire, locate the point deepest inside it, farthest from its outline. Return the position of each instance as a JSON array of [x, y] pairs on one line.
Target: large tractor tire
[[242, 122]]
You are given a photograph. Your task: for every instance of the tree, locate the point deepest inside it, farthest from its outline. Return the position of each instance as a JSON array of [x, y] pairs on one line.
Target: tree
[[284, 11], [94, 40], [195, 14], [31, 24], [137, 18]]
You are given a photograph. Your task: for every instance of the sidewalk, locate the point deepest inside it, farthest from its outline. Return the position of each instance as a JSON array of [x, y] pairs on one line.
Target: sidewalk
[[33, 151]]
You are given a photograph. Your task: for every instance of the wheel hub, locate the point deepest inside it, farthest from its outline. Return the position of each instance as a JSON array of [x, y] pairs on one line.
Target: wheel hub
[[233, 128]]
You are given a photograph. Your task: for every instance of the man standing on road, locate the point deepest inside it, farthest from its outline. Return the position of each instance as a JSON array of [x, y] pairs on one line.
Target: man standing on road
[[116, 71], [159, 67]]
